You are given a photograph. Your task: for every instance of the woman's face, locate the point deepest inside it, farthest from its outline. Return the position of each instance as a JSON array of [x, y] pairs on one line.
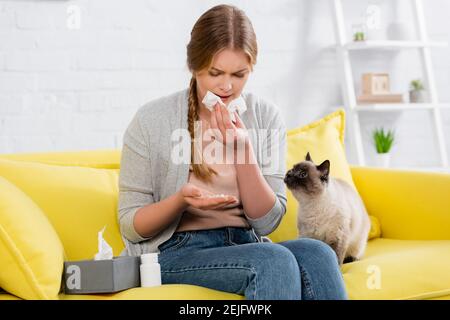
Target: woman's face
[[226, 77]]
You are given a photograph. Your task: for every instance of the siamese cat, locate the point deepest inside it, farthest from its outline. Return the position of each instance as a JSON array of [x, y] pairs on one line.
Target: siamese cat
[[330, 209]]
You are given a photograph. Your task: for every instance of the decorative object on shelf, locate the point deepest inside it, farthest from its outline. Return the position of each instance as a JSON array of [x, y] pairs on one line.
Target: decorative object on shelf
[[359, 36], [359, 31], [383, 142], [399, 29], [417, 93], [375, 83], [373, 22], [376, 89]]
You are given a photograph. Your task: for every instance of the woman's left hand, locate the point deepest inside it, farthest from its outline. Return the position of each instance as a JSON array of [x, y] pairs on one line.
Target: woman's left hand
[[229, 133]]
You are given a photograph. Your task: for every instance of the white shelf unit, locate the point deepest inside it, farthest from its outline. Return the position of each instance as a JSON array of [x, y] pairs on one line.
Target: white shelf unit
[[384, 107], [391, 45], [343, 48]]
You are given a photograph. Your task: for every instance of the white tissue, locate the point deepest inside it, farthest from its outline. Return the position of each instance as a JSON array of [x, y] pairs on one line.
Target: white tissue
[[238, 104], [211, 99], [105, 251]]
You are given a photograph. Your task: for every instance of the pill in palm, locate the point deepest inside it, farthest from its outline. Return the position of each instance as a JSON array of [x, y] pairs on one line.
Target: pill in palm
[[216, 196]]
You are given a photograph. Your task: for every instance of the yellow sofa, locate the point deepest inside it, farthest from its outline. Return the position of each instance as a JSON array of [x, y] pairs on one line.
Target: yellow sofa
[[411, 259]]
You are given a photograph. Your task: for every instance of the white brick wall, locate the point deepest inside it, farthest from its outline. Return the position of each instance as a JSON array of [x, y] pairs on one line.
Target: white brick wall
[[69, 88]]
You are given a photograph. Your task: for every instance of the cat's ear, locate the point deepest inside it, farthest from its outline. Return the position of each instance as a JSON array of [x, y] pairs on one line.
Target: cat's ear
[[308, 157], [324, 168]]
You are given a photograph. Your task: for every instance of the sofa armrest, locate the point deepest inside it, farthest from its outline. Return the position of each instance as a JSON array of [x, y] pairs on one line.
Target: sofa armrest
[[410, 205]]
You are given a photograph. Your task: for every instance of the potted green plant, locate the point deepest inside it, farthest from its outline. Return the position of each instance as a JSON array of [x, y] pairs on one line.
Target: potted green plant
[[359, 36], [358, 31], [383, 142], [416, 92]]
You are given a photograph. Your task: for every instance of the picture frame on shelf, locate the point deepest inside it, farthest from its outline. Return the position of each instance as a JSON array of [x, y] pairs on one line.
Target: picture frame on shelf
[[376, 89], [375, 83]]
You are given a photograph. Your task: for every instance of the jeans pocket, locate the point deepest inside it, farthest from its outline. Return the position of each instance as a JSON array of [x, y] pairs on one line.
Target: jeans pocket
[[177, 240], [238, 236]]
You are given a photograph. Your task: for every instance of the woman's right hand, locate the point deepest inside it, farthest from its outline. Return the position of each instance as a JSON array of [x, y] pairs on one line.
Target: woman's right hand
[[203, 199]]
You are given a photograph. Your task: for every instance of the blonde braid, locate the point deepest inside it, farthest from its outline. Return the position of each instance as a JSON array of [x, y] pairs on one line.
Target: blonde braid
[[202, 170]]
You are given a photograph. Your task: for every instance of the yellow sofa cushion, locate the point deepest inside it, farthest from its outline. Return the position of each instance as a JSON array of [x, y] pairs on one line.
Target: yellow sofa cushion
[[323, 139], [164, 292], [78, 201], [31, 254], [107, 159], [400, 269], [391, 269], [6, 296]]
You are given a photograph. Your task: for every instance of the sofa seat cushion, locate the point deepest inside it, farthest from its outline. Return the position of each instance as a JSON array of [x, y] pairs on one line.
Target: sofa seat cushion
[[400, 269], [7, 296], [406, 269], [164, 292]]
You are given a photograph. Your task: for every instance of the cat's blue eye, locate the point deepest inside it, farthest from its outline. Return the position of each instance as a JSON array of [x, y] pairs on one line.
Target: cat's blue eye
[[303, 174]]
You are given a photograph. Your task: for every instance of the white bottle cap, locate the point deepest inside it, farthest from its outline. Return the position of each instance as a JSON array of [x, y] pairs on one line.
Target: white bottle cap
[[149, 258]]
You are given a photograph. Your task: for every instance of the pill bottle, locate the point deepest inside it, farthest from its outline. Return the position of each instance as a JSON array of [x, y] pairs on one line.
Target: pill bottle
[[150, 270]]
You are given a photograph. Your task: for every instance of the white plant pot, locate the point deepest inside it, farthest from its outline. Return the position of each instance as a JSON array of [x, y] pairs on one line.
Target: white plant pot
[[398, 31], [417, 96], [383, 160]]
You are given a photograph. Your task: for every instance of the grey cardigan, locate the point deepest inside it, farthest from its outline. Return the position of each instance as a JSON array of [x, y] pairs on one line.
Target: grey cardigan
[[148, 174]]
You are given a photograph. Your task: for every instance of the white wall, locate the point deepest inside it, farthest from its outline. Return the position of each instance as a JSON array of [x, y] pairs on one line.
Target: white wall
[[76, 89]]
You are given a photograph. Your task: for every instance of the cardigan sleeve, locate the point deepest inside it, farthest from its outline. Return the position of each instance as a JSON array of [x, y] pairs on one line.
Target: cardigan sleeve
[[273, 167], [135, 181]]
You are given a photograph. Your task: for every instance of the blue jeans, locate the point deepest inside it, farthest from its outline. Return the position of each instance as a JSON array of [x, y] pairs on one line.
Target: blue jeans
[[233, 260]]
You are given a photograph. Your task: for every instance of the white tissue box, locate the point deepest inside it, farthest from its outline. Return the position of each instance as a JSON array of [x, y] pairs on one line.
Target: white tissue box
[[101, 276]]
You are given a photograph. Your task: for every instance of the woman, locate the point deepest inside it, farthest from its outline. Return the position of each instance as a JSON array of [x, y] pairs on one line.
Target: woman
[[175, 207]]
